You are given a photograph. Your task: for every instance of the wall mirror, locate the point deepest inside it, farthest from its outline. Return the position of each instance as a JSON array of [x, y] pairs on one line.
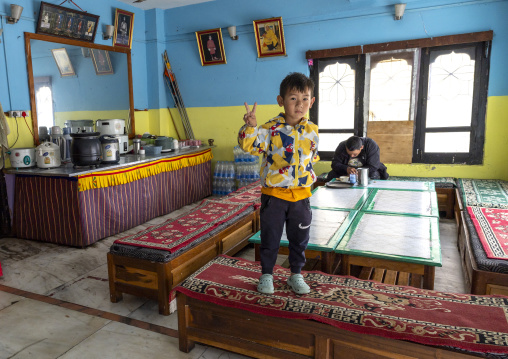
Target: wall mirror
[[83, 82]]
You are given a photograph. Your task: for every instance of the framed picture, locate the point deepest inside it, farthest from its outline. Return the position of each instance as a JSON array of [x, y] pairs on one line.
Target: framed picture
[[63, 22], [101, 62], [270, 37], [211, 47], [124, 24], [63, 62]]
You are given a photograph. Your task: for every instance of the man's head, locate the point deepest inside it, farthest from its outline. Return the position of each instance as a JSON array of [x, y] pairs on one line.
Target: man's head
[[296, 96], [354, 146]]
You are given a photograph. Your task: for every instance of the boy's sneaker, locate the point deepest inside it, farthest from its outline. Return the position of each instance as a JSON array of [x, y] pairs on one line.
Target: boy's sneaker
[[265, 285], [298, 285]]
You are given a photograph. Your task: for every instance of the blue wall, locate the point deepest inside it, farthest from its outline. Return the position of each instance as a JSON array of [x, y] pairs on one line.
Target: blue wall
[[86, 91], [308, 25], [14, 94], [313, 25]]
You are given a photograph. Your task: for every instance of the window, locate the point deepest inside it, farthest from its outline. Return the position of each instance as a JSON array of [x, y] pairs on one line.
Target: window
[[44, 101], [337, 101], [441, 89]]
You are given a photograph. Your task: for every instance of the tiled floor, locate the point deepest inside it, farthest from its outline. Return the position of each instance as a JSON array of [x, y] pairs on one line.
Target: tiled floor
[[54, 303]]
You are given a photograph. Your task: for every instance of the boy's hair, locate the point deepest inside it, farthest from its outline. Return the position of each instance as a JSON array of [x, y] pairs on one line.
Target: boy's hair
[[297, 81], [354, 143]]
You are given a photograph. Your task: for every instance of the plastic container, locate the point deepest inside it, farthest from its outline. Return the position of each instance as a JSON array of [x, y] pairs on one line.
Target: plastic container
[[152, 150]]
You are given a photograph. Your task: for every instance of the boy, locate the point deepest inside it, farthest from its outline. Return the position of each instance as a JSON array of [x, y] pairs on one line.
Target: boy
[[288, 144]]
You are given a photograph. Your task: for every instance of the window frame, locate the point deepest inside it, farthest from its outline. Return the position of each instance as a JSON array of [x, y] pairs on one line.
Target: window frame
[[476, 129], [358, 117], [483, 43]]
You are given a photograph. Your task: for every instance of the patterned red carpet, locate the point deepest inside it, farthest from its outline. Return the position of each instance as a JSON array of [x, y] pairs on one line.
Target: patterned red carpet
[[210, 213], [492, 227], [474, 323]]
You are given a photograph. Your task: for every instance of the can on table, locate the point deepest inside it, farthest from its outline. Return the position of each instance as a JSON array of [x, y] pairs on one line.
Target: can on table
[[352, 178]]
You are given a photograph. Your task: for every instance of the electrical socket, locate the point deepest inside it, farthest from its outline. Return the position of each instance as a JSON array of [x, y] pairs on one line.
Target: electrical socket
[[15, 113]]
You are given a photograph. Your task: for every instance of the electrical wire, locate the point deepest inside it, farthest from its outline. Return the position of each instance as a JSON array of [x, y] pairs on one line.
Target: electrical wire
[[35, 140]]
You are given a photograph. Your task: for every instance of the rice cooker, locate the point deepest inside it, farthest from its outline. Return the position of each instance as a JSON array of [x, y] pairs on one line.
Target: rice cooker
[[110, 149], [123, 143], [78, 126], [110, 127], [22, 157], [48, 155]]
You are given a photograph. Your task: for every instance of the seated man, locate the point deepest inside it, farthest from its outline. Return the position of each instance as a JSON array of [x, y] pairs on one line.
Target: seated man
[[354, 153]]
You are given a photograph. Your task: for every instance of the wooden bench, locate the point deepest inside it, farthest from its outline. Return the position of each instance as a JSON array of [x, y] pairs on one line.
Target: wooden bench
[[478, 281], [155, 280], [262, 336]]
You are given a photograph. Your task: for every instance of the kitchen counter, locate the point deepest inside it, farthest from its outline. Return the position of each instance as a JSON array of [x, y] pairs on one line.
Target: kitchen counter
[[79, 206], [68, 169]]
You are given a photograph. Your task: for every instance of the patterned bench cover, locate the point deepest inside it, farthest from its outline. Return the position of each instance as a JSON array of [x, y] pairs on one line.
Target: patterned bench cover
[[244, 201], [483, 192], [473, 323], [440, 182], [482, 261]]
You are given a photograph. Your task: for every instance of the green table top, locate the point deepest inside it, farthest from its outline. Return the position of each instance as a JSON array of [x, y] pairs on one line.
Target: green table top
[[407, 202], [401, 238], [326, 231], [400, 185], [339, 198]]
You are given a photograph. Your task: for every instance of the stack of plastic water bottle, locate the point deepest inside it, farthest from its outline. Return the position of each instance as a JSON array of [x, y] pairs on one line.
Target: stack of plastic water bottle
[[223, 178], [246, 167]]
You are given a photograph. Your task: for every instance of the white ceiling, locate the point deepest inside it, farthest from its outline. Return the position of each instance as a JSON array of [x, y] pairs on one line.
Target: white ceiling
[[162, 4]]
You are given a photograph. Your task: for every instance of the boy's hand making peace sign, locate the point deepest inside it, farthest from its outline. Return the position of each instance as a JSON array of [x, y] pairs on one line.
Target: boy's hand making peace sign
[[250, 116]]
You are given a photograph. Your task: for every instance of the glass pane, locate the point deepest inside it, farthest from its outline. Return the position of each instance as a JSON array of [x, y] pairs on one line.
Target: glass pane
[[451, 82], [337, 94], [330, 141], [390, 87], [447, 142], [44, 104]]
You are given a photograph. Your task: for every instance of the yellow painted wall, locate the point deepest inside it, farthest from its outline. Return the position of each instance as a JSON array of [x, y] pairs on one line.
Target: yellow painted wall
[[25, 135], [222, 124]]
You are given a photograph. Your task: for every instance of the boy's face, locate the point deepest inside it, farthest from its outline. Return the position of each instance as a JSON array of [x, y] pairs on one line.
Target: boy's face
[[296, 104]]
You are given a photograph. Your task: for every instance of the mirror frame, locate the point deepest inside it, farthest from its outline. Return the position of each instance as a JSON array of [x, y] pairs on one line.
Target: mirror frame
[[60, 40]]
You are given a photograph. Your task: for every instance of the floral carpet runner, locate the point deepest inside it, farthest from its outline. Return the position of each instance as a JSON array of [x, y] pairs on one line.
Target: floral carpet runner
[[210, 213], [492, 227], [484, 193], [470, 322]]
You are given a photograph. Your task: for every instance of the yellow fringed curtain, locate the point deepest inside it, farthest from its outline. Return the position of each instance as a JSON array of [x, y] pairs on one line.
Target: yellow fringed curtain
[[130, 174]]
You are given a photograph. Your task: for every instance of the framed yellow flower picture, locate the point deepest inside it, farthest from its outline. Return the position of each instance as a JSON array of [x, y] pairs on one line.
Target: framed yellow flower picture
[[270, 37]]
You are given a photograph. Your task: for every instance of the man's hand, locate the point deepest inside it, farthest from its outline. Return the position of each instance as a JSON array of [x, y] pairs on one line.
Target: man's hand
[[352, 170], [250, 117]]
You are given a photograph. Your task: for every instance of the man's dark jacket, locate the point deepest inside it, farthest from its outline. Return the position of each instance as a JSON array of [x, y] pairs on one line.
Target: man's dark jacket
[[369, 156]]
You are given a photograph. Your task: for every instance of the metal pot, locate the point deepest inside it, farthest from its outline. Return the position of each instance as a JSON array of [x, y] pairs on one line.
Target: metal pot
[[22, 157], [110, 149], [86, 149]]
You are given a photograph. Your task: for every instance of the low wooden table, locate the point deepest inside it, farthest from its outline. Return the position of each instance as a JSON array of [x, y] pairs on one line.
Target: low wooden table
[[398, 244], [327, 228]]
